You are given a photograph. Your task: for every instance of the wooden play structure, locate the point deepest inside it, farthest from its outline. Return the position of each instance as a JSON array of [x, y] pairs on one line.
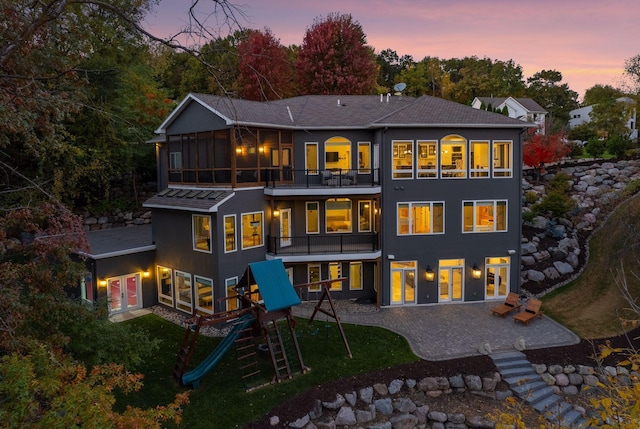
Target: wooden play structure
[[266, 298]]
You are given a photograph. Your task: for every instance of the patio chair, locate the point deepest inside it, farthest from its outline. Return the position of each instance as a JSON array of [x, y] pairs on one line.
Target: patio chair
[[510, 304], [530, 312]]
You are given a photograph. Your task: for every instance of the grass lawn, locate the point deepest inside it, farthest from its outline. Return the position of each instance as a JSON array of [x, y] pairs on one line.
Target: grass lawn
[[222, 402], [591, 305]]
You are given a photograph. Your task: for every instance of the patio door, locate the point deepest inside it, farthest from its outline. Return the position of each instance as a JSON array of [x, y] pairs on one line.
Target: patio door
[[451, 280], [285, 227], [403, 283], [124, 293]]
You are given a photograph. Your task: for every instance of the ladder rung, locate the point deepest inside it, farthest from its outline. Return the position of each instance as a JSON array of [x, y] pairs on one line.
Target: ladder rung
[[246, 356], [240, 348], [251, 374], [249, 365]]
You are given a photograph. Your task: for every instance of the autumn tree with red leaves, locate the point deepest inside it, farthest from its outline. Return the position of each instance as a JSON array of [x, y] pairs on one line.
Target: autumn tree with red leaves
[[266, 73], [540, 149], [335, 59]]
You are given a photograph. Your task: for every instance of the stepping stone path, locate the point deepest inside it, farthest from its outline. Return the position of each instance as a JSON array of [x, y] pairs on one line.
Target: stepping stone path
[[526, 384]]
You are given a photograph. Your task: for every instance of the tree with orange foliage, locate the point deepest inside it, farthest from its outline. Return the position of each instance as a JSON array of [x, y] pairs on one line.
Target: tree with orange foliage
[[540, 149]]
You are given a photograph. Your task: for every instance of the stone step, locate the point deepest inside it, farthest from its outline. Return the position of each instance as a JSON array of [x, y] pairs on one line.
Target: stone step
[[538, 395], [507, 356], [555, 413], [546, 403], [527, 390], [506, 364], [518, 380], [521, 371]]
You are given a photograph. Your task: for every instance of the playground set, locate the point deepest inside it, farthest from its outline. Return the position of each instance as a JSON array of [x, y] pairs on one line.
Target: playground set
[[266, 299]]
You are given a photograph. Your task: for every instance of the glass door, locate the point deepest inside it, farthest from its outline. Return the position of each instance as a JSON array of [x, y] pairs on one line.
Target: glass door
[[123, 293], [451, 280], [403, 283]]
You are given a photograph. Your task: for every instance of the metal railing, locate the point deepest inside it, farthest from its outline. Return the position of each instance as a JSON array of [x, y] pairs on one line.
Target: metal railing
[[319, 244], [287, 177]]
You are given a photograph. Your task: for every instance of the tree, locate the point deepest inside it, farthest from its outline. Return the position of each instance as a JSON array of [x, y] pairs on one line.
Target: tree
[[557, 99], [265, 70], [595, 147], [600, 93], [335, 59], [542, 149], [390, 65], [632, 69], [582, 132]]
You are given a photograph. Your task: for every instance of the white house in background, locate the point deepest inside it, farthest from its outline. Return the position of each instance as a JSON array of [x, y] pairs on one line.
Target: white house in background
[[583, 115], [524, 109]]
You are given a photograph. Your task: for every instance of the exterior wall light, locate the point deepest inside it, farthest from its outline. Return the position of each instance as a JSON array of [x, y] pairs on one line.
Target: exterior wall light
[[146, 274], [276, 212], [102, 283], [429, 275], [476, 272]]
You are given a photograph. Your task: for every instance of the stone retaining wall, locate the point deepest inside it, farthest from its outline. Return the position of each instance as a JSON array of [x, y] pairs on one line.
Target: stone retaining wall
[[116, 220], [403, 404]]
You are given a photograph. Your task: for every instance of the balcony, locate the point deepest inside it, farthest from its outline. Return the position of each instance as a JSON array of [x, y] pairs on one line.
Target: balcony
[[323, 244], [335, 182]]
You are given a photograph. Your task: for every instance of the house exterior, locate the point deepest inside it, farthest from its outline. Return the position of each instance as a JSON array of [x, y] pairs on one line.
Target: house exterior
[[410, 200], [524, 109], [582, 115]]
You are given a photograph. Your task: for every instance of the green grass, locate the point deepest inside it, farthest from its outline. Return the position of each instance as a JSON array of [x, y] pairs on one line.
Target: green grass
[[222, 402]]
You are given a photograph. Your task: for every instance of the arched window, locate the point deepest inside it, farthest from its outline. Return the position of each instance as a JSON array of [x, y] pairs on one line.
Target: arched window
[[337, 154], [453, 156]]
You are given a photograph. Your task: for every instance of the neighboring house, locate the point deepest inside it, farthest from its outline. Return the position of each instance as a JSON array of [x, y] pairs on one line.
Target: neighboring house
[[524, 109], [411, 200], [582, 115]]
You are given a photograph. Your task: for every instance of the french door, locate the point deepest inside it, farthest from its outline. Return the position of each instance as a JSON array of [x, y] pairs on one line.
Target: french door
[[124, 293], [451, 280], [285, 227], [403, 283]]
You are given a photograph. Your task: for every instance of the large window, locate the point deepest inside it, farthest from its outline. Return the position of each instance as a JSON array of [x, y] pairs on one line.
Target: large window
[[338, 215], [313, 217], [427, 159], [502, 159], [311, 158], [497, 275], [484, 216], [479, 158], [233, 303], [335, 272], [402, 159], [184, 297], [313, 274], [230, 233], [419, 218], [364, 216], [165, 285], [337, 151], [202, 233], [252, 230], [204, 294], [453, 157], [355, 276], [364, 157]]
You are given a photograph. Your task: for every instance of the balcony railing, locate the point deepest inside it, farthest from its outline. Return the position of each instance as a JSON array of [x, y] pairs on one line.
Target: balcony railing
[[321, 244], [287, 177]]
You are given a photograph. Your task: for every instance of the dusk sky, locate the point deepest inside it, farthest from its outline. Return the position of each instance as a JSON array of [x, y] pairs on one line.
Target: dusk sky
[[586, 40]]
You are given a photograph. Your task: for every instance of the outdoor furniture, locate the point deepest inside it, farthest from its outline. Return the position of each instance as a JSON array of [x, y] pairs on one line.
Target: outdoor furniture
[[530, 312], [510, 304], [326, 177]]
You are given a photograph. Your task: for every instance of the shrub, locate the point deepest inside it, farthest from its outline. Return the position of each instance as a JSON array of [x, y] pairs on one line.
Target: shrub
[[528, 216], [618, 145], [595, 147], [530, 197]]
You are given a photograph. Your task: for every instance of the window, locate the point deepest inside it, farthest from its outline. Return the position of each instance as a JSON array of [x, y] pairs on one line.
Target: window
[[453, 154], [252, 230], [497, 275], [233, 303], [335, 272], [502, 159], [402, 159], [165, 285], [230, 233], [427, 159], [484, 216], [202, 233], [204, 294], [183, 292], [364, 157], [420, 218], [175, 160], [313, 274], [479, 158], [311, 158], [364, 216], [355, 276], [338, 215], [337, 154], [313, 218], [86, 287]]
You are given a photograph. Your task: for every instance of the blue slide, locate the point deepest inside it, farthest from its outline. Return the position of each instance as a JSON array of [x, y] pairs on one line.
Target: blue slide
[[194, 376]]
